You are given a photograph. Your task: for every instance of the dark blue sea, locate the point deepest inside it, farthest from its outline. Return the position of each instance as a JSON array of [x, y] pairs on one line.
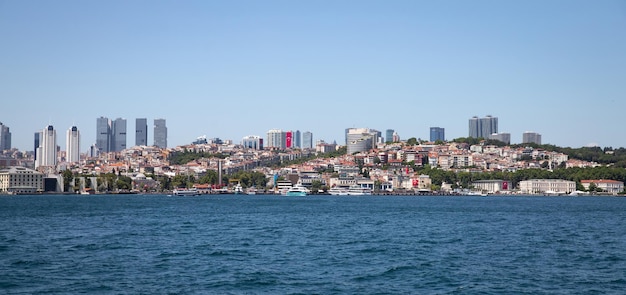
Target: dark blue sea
[[227, 244]]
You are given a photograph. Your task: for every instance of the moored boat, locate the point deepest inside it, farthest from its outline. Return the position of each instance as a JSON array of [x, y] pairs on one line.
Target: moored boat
[[185, 192], [297, 191]]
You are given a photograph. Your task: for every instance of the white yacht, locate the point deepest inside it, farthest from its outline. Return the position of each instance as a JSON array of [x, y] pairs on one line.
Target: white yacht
[[338, 191], [356, 190], [185, 192], [297, 191]]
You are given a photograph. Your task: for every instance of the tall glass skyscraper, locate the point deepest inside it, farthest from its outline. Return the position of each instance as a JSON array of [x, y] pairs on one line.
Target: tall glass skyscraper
[[119, 134], [389, 135], [160, 133], [47, 150], [483, 127], [103, 134], [72, 145], [307, 140], [141, 131], [5, 137]]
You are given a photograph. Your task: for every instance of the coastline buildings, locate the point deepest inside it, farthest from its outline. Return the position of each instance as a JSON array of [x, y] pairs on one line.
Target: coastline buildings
[[72, 145], [47, 150], [5, 137], [483, 127], [20, 180], [531, 137], [141, 131], [160, 133], [437, 133], [547, 186], [119, 135]]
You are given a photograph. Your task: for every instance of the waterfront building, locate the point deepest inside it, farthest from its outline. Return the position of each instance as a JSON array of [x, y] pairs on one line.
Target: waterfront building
[[613, 187], [492, 186], [483, 127], [47, 150], [437, 133], [160, 133], [307, 140], [72, 145], [141, 132], [103, 134], [119, 135], [20, 180], [547, 186], [503, 137], [5, 137], [252, 142], [361, 139], [531, 137], [389, 135]]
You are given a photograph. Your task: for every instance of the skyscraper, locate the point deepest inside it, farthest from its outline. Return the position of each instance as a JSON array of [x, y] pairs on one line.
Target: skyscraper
[[252, 142], [437, 133], [389, 135], [276, 138], [360, 139], [160, 133], [531, 137], [503, 137], [297, 139], [72, 145], [119, 135], [37, 143], [47, 150], [5, 137], [307, 140], [483, 127], [141, 131], [103, 134]]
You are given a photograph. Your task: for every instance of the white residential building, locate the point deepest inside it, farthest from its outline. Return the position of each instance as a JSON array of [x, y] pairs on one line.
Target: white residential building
[[610, 186]]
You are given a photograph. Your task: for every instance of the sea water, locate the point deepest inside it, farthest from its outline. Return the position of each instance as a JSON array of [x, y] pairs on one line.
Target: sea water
[[234, 244]]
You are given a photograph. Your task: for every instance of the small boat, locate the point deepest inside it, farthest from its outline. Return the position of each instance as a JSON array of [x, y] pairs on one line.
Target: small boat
[[185, 192], [337, 191], [356, 190], [297, 191], [238, 190]]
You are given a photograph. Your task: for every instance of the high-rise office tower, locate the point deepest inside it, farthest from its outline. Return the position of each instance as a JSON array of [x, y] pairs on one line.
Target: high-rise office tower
[[37, 143], [276, 138], [437, 133], [72, 145], [297, 136], [361, 139], [160, 133], [483, 127], [103, 135], [389, 135], [252, 142], [5, 137], [307, 140], [503, 137], [289, 139], [531, 137], [141, 131], [47, 150], [118, 130]]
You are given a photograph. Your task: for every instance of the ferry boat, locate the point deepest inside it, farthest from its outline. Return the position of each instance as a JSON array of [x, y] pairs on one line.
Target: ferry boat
[[356, 190], [185, 192], [338, 191], [297, 191]]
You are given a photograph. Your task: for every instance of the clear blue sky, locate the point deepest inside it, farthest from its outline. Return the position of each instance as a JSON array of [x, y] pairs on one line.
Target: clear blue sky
[[233, 68]]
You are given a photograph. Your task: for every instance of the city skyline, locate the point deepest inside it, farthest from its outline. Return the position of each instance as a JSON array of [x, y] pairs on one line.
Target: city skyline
[[229, 70]]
